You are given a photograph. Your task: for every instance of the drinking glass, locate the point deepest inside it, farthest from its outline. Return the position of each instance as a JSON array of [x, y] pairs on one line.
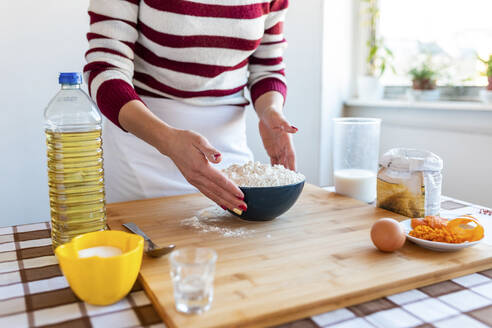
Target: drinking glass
[[355, 157], [192, 273]]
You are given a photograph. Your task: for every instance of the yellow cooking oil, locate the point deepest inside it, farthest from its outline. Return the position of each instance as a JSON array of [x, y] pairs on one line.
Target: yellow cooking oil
[[76, 184]]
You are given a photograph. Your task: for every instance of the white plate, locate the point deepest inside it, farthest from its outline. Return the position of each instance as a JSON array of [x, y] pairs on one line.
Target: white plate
[[434, 245]]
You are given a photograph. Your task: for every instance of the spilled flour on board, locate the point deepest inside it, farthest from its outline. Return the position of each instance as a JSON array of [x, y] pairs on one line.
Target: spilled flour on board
[[214, 219]]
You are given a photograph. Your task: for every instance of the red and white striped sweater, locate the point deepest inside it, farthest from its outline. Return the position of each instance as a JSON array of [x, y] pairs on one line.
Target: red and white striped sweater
[[202, 52]]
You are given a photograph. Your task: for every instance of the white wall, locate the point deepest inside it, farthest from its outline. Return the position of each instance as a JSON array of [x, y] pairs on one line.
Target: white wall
[[42, 38], [340, 34], [38, 40], [462, 138]]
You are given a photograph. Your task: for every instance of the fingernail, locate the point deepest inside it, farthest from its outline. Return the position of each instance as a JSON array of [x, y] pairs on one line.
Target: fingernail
[[294, 128], [237, 211], [244, 208], [216, 156], [223, 207], [240, 197]]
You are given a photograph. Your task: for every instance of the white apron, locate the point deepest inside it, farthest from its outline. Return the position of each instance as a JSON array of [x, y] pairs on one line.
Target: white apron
[[135, 170]]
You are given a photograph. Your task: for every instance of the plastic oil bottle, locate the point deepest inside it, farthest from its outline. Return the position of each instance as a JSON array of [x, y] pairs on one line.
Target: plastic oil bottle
[[75, 162]]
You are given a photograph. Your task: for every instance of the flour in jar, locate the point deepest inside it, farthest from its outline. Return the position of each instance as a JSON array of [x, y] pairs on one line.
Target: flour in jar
[[256, 174]]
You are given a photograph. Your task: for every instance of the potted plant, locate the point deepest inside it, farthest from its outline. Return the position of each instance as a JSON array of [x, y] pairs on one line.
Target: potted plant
[[424, 86], [486, 94], [378, 57]]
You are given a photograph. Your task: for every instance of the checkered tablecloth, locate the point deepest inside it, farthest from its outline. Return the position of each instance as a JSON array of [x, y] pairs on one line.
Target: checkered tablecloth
[[34, 293]]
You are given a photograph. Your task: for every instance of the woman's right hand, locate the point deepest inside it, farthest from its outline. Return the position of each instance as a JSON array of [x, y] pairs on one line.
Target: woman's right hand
[[192, 154]]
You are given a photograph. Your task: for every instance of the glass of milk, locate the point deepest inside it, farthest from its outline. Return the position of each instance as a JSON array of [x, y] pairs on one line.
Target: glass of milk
[[355, 157]]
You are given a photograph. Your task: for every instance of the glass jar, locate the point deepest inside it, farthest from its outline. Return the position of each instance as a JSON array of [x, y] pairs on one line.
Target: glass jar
[[355, 157]]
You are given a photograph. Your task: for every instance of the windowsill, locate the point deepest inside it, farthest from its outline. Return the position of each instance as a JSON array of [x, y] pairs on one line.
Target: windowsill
[[452, 116], [426, 105]]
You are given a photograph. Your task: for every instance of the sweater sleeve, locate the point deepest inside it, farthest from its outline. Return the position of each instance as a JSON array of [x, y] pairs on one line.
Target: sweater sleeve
[[266, 65], [109, 68]]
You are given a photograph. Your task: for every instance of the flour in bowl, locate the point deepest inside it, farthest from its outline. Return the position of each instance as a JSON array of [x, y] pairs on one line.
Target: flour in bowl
[[256, 174]]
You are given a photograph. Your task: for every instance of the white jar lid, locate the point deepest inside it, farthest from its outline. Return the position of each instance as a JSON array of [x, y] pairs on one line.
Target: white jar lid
[[405, 159]]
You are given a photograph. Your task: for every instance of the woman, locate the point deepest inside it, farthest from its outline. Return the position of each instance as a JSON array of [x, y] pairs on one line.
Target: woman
[[173, 73]]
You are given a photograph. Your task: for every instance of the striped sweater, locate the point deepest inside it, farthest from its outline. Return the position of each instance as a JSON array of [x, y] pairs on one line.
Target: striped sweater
[[202, 52]]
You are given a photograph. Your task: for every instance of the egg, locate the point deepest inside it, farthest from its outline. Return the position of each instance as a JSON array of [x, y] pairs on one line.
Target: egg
[[387, 235]]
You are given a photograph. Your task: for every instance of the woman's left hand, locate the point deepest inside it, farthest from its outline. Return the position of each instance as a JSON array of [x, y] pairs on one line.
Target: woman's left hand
[[275, 132]]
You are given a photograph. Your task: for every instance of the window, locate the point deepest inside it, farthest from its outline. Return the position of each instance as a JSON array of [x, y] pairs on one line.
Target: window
[[447, 33]]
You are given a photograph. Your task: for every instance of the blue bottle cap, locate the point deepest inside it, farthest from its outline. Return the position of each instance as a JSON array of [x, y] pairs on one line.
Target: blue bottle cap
[[70, 78]]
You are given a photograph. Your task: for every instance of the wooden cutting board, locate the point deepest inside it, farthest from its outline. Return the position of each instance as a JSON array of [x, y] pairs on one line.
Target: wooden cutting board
[[316, 257]]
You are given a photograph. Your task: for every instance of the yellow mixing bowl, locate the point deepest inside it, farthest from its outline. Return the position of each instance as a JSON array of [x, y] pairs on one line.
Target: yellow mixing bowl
[[101, 281]]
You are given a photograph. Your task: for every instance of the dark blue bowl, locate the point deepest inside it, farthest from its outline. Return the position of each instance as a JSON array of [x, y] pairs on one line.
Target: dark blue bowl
[[267, 203]]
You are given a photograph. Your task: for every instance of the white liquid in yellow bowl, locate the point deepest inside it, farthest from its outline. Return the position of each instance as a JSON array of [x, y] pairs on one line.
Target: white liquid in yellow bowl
[[101, 251]]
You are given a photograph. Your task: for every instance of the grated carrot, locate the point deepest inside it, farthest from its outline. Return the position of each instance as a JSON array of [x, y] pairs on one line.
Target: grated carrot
[[434, 234]]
